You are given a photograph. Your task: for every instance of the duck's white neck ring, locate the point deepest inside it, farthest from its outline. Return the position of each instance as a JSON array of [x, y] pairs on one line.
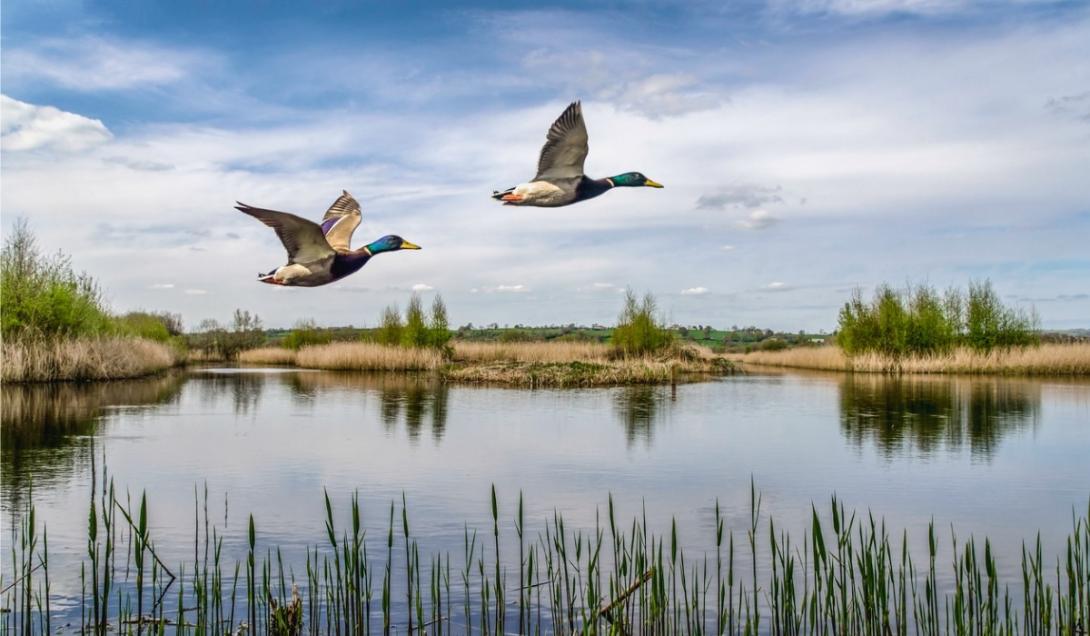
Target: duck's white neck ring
[[610, 182]]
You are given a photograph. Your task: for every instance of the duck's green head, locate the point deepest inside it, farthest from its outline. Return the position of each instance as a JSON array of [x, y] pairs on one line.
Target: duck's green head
[[634, 180], [390, 243]]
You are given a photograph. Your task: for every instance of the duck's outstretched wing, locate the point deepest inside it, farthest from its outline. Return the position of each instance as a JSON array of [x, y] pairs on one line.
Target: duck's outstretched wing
[[340, 221], [565, 147], [302, 239]]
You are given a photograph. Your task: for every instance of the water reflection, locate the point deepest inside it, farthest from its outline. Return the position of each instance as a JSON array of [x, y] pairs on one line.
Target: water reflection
[[45, 429], [899, 414], [641, 408], [243, 387], [420, 401]]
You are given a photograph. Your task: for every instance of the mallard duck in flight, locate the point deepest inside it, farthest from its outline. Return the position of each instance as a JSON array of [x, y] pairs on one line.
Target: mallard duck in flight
[[560, 179], [321, 254]]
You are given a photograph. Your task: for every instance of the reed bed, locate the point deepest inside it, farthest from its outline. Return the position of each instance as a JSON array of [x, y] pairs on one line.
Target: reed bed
[[531, 351], [267, 355], [368, 356], [1046, 359], [845, 574], [84, 359]]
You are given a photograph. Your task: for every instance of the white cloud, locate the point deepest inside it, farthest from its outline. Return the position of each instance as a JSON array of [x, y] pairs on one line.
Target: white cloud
[[511, 289], [196, 292], [694, 291], [29, 127], [727, 248], [422, 287], [162, 286], [758, 220], [776, 285]]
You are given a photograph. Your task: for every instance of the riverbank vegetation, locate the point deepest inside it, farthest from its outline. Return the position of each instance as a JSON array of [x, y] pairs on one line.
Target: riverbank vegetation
[[56, 326], [842, 573], [641, 351], [1045, 359], [918, 321]]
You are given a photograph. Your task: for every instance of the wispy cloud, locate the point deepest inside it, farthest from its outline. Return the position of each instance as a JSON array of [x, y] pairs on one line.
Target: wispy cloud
[[694, 291], [743, 196], [95, 63], [422, 287], [161, 286]]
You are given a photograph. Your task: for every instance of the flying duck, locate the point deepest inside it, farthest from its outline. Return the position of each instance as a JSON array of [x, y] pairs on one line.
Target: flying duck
[[321, 254], [560, 179]]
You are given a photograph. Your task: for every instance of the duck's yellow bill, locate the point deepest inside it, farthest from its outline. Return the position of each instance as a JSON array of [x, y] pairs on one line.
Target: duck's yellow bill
[[653, 184], [405, 245]]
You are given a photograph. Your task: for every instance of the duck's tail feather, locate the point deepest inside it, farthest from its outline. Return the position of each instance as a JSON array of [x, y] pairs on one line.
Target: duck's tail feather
[[497, 195]]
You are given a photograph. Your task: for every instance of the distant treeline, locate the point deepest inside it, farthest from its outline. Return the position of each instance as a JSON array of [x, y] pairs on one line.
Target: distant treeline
[[918, 320]]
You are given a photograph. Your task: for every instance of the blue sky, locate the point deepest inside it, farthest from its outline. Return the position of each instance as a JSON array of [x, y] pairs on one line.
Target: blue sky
[[807, 148]]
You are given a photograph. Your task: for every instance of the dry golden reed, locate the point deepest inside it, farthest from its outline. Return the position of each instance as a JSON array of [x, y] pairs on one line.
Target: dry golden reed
[[1047, 359], [267, 355], [84, 359], [530, 351], [368, 356]]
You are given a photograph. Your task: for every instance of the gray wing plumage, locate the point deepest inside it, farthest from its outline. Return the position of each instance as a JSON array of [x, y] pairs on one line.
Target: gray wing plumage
[[302, 239], [565, 147], [340, 221]]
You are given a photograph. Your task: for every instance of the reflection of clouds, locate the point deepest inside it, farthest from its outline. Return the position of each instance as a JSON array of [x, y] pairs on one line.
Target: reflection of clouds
[[896, 414]]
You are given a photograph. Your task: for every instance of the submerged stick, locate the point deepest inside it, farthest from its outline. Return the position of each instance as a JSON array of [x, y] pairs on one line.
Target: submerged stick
[[607, 610]]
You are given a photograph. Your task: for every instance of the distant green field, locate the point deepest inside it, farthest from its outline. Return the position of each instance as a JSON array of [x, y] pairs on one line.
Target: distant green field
[[742, 339]]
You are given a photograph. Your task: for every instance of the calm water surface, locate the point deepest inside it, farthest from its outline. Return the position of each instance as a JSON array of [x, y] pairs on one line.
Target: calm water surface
[[1004, 458]]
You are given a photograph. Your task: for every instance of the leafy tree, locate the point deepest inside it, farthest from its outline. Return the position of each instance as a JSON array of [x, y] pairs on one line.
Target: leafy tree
[[415, 333], [639, 330]]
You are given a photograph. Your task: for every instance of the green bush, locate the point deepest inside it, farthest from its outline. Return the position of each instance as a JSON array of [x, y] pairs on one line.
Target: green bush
[[920, 322], [415, 333], [389, 333], [43, 296], [772, 344], [639, 331], [305, 333], [438, 328]]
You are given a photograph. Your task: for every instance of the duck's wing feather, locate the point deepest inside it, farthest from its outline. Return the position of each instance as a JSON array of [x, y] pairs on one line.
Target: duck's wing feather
[[565, 147], [302, 239], [340, 221]]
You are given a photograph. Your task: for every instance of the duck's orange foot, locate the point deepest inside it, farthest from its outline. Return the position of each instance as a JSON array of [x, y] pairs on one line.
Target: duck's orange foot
[[512, 198]]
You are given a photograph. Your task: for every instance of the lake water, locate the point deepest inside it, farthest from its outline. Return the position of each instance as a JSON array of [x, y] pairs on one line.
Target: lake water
[[1006, 458]]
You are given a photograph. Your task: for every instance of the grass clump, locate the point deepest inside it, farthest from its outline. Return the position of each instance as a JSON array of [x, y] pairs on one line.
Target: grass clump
[[919, 322], [639, 330]]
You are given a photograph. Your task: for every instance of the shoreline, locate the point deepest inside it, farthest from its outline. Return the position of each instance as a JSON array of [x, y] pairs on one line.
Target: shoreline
[[1047, 360], [516, 364]]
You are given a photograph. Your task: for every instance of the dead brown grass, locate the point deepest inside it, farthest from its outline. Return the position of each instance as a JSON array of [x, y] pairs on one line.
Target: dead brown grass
[[367, 356], [267, 355], [1047, 359], [84, 359]]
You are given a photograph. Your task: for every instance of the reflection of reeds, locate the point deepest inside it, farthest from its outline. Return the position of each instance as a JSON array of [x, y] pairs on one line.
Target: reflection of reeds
[[267, 355], [1047, 359], [84, 359], [849, 575]]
